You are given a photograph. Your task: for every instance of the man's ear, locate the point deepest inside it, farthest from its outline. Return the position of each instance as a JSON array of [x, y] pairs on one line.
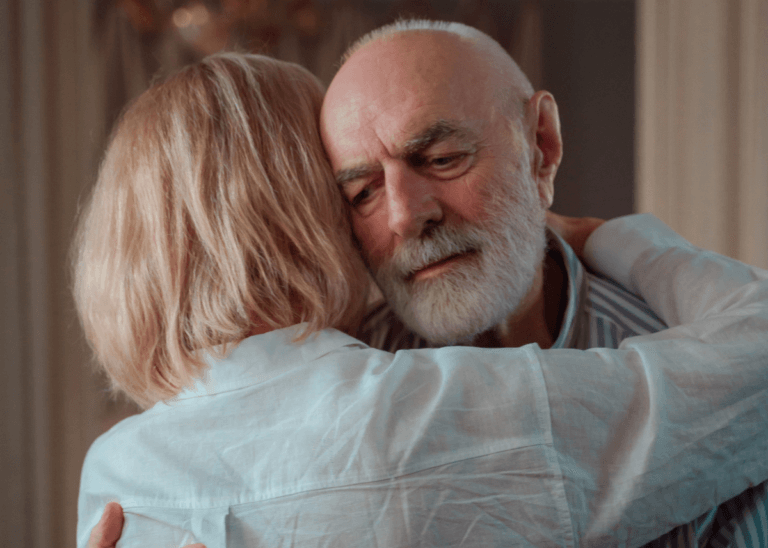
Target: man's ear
[[547, 144]]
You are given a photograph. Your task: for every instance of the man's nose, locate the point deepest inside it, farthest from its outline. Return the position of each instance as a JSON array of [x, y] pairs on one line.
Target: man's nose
[[412, 203]]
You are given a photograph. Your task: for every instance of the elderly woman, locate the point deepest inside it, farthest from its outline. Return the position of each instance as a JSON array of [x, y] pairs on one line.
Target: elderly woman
[[189, 244], [215, 277]]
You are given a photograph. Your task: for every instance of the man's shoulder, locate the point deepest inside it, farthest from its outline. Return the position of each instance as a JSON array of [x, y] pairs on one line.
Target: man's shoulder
[[615, 313], [383, 329], [601, 312]]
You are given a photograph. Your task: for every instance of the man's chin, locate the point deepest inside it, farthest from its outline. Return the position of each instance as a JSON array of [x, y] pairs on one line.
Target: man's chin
[[448, 334], [458, 306], [447, 321]]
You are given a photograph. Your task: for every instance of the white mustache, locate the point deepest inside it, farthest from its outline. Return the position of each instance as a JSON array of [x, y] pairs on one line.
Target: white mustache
[[439, 244]]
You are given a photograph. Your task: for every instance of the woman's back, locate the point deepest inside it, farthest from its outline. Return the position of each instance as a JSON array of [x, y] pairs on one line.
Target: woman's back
[[331, 443]]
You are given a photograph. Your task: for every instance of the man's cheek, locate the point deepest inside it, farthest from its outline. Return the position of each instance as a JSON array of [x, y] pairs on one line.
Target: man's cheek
[[372, 240]]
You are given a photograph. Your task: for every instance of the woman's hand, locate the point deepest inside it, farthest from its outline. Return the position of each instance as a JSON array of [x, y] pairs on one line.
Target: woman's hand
[[574, 230]]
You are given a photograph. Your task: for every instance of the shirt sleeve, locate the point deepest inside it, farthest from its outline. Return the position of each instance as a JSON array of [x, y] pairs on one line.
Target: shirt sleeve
[[652, 435]]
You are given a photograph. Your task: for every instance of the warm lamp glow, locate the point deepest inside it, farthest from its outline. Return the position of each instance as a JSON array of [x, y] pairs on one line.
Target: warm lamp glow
[[182, 17], [196, 15]]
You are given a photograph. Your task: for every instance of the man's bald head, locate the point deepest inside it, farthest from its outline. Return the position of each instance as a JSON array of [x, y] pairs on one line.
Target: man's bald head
[[447, 158], [511, 85]]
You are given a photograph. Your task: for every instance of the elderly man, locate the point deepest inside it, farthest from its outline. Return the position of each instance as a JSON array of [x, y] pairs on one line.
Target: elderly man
[[448, 158]]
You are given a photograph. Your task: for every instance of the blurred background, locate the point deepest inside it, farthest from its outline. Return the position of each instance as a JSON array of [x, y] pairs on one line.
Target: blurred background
[[663, 104]]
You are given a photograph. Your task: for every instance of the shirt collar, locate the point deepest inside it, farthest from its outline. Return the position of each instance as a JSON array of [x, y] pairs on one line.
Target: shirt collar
[[569, 331], [262, 357]]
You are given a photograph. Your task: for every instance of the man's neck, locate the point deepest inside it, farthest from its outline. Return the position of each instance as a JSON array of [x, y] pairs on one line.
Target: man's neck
[[539, 317]]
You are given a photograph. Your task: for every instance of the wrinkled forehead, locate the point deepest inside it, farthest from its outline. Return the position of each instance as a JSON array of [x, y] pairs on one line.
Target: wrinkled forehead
[[432, 60], [406, 76]]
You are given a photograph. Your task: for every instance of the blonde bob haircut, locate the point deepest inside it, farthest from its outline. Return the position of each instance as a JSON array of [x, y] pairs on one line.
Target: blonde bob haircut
[[215, 215]]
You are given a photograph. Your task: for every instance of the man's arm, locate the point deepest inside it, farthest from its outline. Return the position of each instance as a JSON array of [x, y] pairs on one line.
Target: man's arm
[[107, 532]]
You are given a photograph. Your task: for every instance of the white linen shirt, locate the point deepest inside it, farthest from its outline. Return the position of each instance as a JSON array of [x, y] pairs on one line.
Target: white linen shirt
[[332, 443]]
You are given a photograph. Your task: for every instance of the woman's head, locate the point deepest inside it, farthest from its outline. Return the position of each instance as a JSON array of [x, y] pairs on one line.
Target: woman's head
[[214, 213]]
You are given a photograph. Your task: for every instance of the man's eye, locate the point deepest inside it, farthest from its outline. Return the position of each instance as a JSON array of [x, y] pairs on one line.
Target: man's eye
[[361, 197], [445, 161], [449, 166]]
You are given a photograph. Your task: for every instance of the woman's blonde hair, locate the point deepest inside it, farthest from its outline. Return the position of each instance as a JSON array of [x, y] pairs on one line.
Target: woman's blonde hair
[[215, 212]]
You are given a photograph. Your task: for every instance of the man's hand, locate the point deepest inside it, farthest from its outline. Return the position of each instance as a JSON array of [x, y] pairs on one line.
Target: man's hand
[[107, 532], [574, 230]]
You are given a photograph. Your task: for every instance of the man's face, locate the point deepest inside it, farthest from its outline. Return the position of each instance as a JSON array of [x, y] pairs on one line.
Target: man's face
[[448, 217]]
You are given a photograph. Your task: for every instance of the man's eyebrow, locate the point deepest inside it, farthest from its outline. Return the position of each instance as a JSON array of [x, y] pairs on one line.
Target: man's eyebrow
[[347, 176], [439, 131]]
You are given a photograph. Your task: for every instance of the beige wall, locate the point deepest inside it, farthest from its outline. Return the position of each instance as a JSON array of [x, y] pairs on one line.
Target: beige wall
[[702, 111], [51, 132]]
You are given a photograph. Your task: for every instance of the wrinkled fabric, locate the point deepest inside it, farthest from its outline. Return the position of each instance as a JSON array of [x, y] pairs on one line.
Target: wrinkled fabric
[[332, 443]]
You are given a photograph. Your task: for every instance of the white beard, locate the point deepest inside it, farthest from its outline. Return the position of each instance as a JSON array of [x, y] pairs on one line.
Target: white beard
[[486, 287]]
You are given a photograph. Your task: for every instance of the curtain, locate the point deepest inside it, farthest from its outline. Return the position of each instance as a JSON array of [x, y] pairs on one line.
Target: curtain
[[702, 121]]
